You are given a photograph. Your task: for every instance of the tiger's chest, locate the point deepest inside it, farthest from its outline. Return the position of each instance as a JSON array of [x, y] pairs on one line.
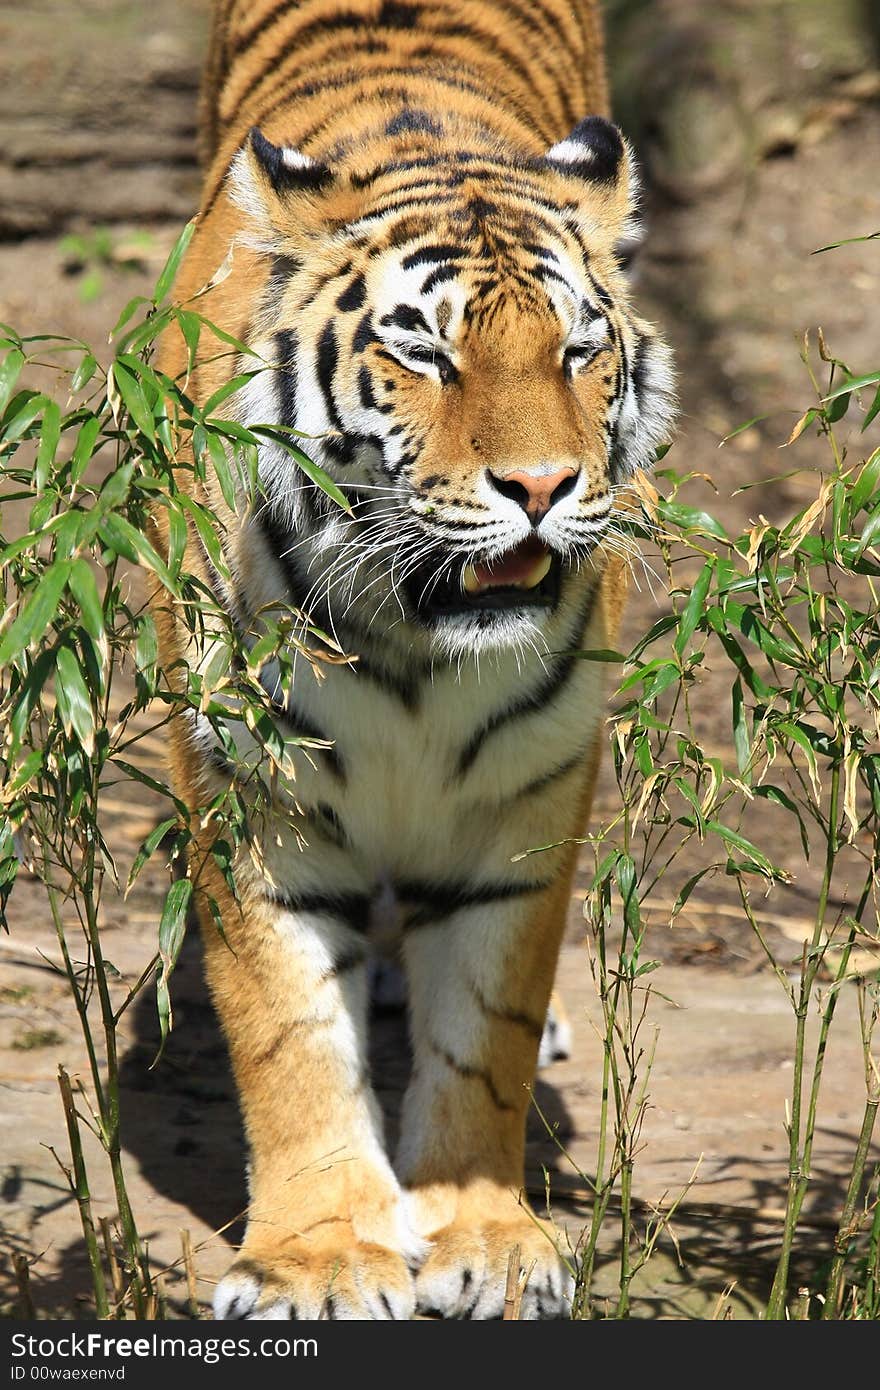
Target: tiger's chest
[[445, 773]]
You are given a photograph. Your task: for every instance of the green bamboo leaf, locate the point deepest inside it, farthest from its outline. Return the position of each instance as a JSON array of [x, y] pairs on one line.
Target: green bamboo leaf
[[769, 792], [207, 530], [137, 545], [229, 339], [50, 434], [143, 372], [74, 703], [145, 333], [27, 770], [115, 489], [37, 613], [695, 607], [84, 372], [866, 484], [220, 460], [687, 791], [10, 370], [847, 241], [687, 889], [37, 677], [172, 929], [116, 539], [172, 265], [739, 842], [137, 774], [601, 654], [309, 467], [21, 421], [133, 399], [873, 411], [625, 874], [691, 519], [131, 306], [85, 590], [853, 383], [191, 327], [148, 848], [229, 389], [84, 447], [146, 655], [741, 741], [741, 429], [870, 532], [177, 536]]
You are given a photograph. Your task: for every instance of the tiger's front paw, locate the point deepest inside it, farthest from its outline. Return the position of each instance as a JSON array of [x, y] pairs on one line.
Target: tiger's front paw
[[465, 1273], [338, 1277]]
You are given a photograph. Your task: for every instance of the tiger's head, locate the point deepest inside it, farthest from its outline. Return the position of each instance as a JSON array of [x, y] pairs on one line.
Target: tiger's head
[[451, 327]]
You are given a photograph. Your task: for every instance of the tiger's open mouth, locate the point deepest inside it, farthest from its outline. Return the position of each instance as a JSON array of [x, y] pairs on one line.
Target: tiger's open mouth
[[528, 576]]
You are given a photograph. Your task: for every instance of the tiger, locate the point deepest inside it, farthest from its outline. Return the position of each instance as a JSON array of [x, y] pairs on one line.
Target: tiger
[[419, 207]]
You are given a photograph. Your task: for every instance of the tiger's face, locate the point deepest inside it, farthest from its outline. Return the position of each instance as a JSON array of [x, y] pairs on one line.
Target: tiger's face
[[457, 339]]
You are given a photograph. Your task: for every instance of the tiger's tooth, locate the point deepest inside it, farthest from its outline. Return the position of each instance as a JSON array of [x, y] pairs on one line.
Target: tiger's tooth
[[469, 581], [534, 577]]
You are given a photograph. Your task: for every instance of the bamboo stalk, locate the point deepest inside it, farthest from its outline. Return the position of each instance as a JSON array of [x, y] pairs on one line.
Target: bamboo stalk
[[83, 1195], [848, 1222], [801, 1310], [192, 1300], [512, 1291], [113, 1265], [23, 1280]]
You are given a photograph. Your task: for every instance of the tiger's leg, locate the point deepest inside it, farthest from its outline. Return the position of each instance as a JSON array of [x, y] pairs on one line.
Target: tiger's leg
[[480, 981], [326, 1227]]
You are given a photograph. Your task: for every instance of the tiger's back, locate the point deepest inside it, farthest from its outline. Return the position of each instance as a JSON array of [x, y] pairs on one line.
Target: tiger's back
[[423, 226]]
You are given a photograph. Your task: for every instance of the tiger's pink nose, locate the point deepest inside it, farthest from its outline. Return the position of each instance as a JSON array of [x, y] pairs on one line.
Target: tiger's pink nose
[[536, 493]]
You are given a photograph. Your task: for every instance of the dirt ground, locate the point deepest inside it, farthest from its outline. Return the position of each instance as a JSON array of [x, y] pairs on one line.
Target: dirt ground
[[96, 131]]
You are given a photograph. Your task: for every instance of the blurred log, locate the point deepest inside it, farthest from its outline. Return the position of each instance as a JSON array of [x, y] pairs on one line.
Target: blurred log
[[707, 90], [97, 112]]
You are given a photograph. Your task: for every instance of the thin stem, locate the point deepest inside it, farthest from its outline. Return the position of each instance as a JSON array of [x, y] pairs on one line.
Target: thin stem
[[80, 1186], [798, 1168], [848, 1223]]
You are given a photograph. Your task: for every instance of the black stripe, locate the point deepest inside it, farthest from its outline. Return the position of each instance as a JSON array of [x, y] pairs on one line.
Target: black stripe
[[546, 272], [344, 964], [256, 31], [553, 683], [490, 45], [406, 317], [285, 356], [394, 15], [404, 686], [278, 541], [412, 121], [439, 900], [357, 77], [548, 778], [365, 391], [298, 726], [471, 1074], [431, 255], [286, 178], [353, 296], [327, 362], [515, 1016], [363, 334], [351, 908], [437, 276]]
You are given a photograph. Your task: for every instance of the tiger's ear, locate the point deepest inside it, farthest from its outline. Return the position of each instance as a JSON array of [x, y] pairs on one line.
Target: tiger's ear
[[267, 180], [597, 156]]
